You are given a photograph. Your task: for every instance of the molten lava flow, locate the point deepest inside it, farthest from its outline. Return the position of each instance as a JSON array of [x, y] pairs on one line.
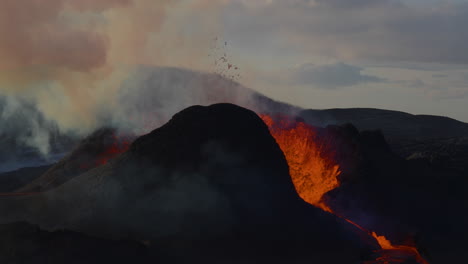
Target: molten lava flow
[[314, 173], [389, 250], [118, 146], [383, 241]]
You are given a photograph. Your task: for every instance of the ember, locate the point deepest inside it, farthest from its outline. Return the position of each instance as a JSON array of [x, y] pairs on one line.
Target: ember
[[119, 144], [314, 173]]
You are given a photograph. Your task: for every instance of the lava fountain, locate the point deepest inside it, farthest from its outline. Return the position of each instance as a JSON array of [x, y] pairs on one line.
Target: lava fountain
[[314, 173]]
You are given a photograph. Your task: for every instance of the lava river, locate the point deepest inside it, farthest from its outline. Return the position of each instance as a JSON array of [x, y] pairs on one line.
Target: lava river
[[314, 173]]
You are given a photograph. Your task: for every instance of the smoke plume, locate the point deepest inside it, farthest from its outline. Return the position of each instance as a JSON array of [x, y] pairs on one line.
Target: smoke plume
[[87, 64]]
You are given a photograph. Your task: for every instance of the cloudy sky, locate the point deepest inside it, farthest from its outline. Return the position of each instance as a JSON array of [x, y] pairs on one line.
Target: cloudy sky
[[402, 55]]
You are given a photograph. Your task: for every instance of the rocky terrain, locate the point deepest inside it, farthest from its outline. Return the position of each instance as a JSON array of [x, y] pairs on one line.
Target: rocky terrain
[[211, 183], [25, 243]]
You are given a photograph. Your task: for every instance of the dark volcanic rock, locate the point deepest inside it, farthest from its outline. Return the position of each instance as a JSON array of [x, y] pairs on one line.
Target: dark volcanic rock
[[211, 183], [197, 136], [422, 198], [10, 181], [24, 243], [405, 200], [448, 153]]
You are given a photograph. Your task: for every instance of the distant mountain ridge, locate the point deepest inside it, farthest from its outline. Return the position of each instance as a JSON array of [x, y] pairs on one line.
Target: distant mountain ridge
[[394, 124], [440, 140]]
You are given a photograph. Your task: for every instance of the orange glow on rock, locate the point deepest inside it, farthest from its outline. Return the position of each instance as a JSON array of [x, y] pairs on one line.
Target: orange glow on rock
[[383, 241], [314, 173], [389, 250], [120, 145]]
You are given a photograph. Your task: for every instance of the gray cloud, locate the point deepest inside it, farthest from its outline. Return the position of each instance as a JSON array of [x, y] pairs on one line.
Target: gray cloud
[[331, 75], [417, 83], [382, 31], [417, 66], [437, 75], [351, 3]]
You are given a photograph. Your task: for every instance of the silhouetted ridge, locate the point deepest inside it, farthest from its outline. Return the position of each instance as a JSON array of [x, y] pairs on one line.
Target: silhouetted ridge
[[25, 243]]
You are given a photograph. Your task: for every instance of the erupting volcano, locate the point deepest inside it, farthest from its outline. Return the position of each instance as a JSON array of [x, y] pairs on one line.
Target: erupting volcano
[[119, 145], [220, 183], [314, 173]]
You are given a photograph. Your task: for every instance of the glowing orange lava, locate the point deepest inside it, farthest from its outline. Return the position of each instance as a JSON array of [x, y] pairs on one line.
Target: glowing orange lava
[[387, 246], [119, 144], [314, 173], [117, 147]]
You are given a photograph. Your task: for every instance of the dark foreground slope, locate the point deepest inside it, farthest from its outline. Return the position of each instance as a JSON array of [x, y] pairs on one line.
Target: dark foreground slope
[[13, 180], [211, 185], [25, 243]]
